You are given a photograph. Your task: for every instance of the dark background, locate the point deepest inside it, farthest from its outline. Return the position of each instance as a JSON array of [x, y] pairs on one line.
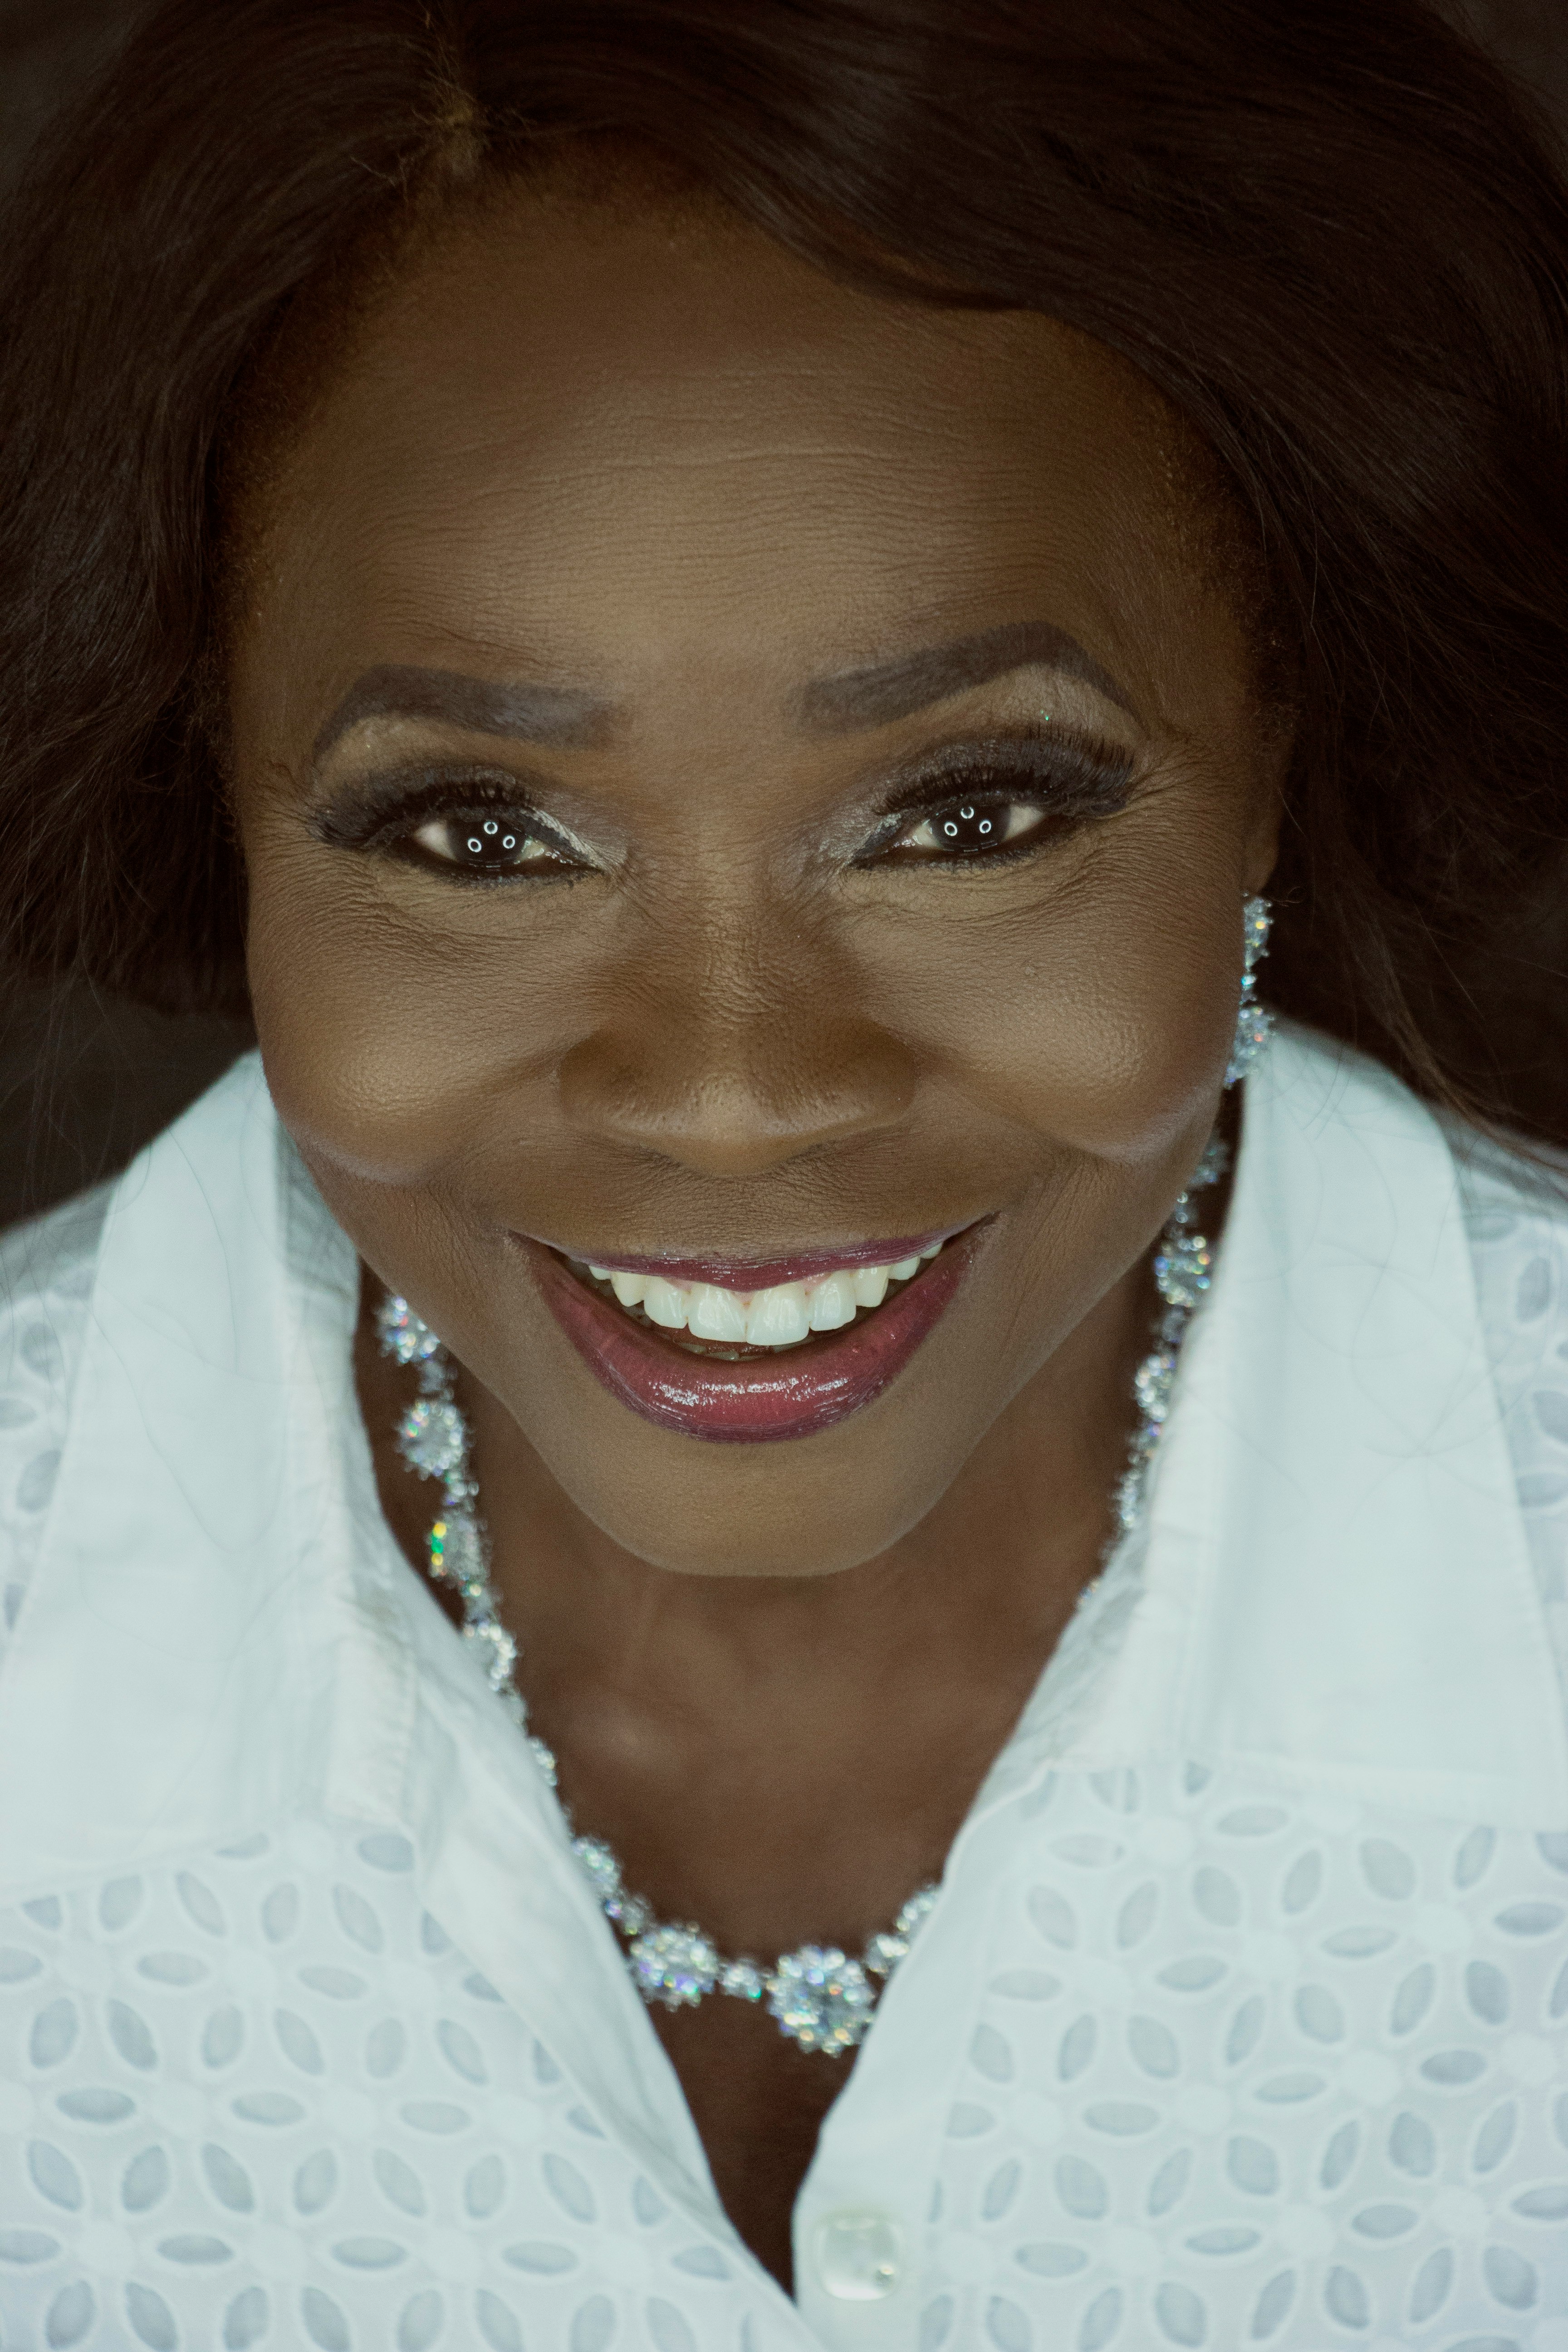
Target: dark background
[[85, 1082]]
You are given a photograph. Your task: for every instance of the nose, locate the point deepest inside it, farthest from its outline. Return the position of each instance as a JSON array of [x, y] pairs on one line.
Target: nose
[[731, 1056]]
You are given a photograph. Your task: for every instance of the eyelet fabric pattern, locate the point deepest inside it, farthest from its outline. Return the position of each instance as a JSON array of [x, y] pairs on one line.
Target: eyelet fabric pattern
[[1224, 2066]]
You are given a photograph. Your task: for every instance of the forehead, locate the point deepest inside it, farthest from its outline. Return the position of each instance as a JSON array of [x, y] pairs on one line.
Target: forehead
[[620, 433]]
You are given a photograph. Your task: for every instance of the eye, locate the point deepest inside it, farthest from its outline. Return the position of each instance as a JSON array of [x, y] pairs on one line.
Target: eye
[[976, 825], [491, 841]]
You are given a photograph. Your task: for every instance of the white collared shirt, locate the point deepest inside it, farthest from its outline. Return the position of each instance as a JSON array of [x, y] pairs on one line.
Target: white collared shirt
[[1242, 2019]]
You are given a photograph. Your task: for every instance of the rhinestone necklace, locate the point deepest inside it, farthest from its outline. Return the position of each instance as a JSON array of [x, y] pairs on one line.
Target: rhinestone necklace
[[821, 1998]]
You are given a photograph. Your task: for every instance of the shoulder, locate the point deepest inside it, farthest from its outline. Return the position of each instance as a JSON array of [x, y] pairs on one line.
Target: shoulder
[[47, 1273], [1514, 1202]]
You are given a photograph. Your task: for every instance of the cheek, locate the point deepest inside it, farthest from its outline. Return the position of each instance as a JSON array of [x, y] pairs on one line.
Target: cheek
[[383, 1047], [1102, 1024], [1134, 1032]]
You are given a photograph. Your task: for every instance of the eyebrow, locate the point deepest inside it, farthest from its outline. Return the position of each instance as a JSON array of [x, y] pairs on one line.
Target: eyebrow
[[875, 696], [565, 717]]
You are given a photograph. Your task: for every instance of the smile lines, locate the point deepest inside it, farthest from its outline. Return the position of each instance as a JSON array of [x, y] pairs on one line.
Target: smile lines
[[780, 1317]]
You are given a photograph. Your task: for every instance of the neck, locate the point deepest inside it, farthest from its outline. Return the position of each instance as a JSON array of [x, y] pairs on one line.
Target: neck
[[1024, 1525], [710, 1728]]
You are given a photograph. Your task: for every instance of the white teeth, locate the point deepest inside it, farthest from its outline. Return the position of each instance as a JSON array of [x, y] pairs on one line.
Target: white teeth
[[832, 1303], [778, 1317], [715, 1314], [664, 1302]]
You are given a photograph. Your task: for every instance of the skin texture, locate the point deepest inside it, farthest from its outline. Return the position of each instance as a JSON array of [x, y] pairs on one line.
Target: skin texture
[[651, 458]]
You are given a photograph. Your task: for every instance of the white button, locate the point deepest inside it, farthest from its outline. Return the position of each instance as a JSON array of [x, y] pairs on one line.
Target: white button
[[858, 2256]]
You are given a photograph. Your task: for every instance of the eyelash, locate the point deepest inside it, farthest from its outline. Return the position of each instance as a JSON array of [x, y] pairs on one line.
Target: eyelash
[[1058, 780], [387, 821], [1064, 785], [502, 827]]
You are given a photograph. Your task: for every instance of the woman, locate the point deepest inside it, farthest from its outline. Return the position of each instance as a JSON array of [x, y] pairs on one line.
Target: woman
[[733, 624]]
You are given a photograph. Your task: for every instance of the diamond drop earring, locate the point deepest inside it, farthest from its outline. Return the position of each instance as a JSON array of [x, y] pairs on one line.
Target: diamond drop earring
[[1254, 1021]]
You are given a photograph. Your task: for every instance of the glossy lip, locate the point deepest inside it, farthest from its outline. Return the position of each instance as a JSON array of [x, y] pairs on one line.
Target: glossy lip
[[762, 1399], [744, 1276]]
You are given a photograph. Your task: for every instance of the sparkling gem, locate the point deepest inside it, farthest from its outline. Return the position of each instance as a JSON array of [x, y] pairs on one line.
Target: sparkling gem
[[1254, 1021], [599, 1862], [821, 2000], [457, 1554], [487, 1633], [917, 1911], [674, 1965], [1182, 1269], [1254, 1028], [1128, 1498], [1152, 1383], [1257, 921], [402, 1333], [1212, 1166], [431, 1437]]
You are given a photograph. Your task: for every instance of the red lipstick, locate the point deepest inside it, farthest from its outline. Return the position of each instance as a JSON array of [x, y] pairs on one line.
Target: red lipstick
[[762, 1397]]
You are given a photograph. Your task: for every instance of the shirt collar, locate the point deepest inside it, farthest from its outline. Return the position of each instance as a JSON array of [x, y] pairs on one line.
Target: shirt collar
[[1331, 1587], [220, 1631], [168, 1673]]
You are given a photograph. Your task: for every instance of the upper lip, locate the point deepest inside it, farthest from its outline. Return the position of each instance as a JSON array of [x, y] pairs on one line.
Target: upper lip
[[744, 1273]]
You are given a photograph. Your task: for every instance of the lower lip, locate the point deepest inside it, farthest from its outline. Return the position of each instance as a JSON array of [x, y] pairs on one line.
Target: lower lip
[[753, 1403]]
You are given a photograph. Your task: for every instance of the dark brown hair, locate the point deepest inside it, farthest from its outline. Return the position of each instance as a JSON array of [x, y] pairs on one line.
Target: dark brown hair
[[1325, 229]]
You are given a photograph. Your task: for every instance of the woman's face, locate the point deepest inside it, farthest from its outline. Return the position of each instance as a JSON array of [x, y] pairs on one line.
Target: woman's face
[[740, 780]]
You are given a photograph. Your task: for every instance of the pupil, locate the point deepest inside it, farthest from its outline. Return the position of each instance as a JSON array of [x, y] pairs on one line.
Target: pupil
[[968, 826], [487, 841]]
